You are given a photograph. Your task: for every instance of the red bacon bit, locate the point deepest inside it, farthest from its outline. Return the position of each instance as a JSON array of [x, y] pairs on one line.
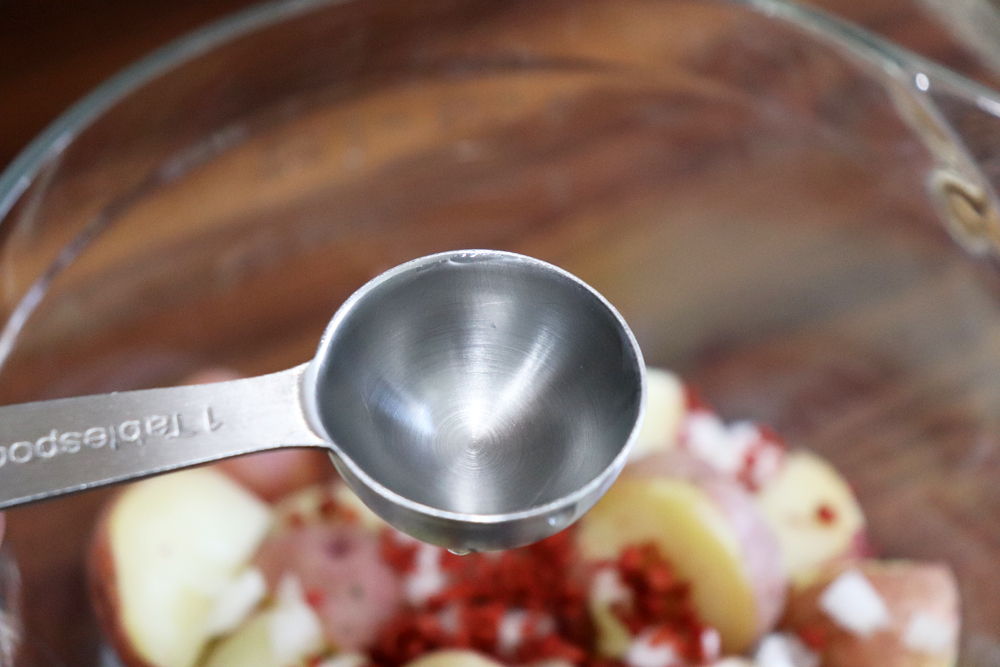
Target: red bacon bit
[[659, 600], [328, 507], [665, 635], [408, 636], [542, 579], [551, 647], [826, 514], [747, 474], [314, 598], [771, 436], [401, 556], [694, 400], [814, 637]]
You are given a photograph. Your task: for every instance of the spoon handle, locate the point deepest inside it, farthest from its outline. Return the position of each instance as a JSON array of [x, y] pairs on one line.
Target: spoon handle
[[51, 448]]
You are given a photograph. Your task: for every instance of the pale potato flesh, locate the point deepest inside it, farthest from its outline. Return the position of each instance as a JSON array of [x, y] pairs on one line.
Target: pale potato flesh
[[249, 646], [666, 406], [693, 534], [453, 658], [176, 541], [613, 638], [254, 644], [791, 505]]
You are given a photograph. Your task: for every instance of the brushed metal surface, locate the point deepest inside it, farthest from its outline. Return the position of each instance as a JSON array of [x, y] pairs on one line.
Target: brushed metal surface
[[475, 399]]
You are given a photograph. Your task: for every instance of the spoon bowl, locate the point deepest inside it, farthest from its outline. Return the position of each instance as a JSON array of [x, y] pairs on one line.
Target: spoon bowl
[[484, 389], [477, 400]]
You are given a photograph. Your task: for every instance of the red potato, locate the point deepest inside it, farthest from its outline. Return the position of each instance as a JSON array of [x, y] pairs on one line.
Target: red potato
[[879, 614], [346, 581], [331, 589], [313, 566], [169, 568], [814, 514], [711, 532]]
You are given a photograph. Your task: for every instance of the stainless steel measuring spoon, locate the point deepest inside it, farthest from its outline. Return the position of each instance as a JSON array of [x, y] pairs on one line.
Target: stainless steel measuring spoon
[[476, 400]]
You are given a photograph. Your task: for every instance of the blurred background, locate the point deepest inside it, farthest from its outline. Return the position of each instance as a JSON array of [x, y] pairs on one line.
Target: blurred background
[[53, 51]]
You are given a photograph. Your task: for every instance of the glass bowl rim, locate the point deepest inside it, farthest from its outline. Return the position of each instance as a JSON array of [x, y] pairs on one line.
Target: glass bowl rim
[[871, 49]]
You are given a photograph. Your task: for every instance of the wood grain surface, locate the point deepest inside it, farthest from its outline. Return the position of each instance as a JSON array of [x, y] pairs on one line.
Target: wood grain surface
[[53, 52]]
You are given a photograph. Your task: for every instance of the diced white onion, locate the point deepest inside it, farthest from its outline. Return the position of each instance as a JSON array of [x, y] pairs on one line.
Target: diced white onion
[[644, 652], [781, 649], [929, 634], [607, 587], [510, 631], [853, 603], [294, 629], [236, 600], [428, 579], [724, 448], [711, 644]]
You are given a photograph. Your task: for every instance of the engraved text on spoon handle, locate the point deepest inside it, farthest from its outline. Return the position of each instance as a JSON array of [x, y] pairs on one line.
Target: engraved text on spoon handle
[[51, 448]]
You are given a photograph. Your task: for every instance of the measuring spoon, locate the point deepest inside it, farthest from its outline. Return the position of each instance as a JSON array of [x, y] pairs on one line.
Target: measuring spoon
[[477, 400]]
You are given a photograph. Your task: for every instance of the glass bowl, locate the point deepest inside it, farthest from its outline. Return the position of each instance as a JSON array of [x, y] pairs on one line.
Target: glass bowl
[[797, 216]]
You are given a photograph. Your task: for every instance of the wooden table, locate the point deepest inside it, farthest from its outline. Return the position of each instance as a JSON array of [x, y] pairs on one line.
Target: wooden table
[[52, 53]]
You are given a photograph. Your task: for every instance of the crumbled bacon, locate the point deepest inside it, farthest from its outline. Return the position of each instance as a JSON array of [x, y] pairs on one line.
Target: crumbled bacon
[[542, 579], [814, 637], [545, 581], [328, 507], [314, 598], [693, 399], [659, 600], [401, 556]]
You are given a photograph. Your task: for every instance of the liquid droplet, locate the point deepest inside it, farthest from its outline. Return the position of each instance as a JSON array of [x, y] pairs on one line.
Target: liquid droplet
[[462, 552], [562, 518]]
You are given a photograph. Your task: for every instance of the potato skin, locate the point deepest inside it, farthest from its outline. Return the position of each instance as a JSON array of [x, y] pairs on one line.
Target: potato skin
[[761, 549], [102, 582], [728, 554], [906, 587]]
